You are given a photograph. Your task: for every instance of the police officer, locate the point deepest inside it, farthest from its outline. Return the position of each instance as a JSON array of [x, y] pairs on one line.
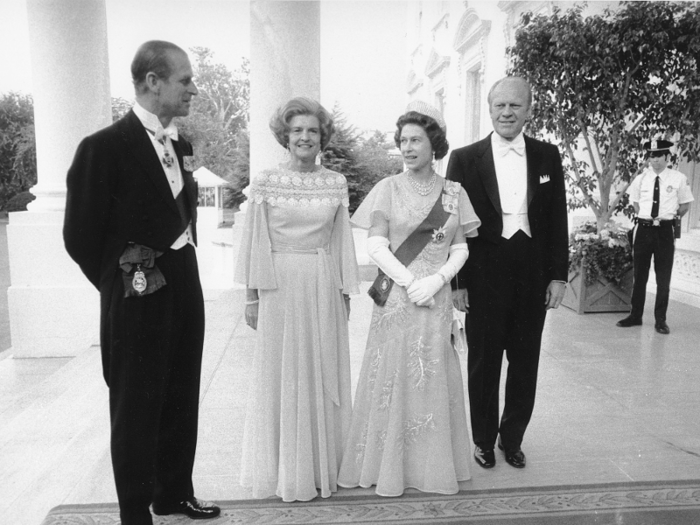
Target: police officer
[[659, 195]]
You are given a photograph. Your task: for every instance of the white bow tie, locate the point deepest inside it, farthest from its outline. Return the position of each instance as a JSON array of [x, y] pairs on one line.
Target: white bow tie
[[505, 147], [170, 131]]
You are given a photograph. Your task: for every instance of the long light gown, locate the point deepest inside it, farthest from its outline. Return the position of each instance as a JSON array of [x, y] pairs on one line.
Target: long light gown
[[409, 424], [297, 250]]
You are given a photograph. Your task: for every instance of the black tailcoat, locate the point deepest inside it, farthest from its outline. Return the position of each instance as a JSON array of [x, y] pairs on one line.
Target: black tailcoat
[[151, 345], [506, 281]]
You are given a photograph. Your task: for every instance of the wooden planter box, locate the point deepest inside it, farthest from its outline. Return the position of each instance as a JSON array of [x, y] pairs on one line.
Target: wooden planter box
[[601, 296]]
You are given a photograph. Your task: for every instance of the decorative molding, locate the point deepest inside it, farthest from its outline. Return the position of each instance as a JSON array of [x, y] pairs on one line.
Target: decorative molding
[[436, 63], [444, 18], [412, 82], [470, 29]]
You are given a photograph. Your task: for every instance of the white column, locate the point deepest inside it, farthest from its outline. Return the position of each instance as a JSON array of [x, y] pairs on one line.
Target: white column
[[285, 57], [54, 311]]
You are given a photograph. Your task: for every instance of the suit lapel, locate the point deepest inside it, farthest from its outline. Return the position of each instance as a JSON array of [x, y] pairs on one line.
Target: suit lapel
[[487, 170], [533, 179], [142, 150]]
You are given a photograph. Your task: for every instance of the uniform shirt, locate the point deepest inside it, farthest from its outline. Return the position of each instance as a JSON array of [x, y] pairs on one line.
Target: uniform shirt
[[673, 191], [511, 173], [169, 163]]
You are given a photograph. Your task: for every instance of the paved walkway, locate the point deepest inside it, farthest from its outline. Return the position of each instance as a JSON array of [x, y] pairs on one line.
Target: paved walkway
[[613, 405]]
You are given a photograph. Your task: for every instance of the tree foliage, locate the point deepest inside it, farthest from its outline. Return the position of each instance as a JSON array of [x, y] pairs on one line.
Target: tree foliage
[[120, 107], [363, 162], [233, 195], [374, 158], [217, 124], [604, 84], [17, 146]]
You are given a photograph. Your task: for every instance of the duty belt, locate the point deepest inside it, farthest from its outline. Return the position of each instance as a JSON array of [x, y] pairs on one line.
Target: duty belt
[[654, 222]]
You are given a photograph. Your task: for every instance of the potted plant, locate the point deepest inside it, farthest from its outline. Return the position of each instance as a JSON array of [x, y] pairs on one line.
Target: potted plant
[[600, 269]]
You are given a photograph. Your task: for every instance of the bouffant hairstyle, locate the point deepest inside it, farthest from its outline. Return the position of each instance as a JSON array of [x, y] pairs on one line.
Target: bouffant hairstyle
[[279, 123], [152, 56], [436, 135]]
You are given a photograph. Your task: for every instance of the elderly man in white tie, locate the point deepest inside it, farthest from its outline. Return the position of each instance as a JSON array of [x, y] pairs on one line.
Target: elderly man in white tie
[[130, 224], [517, 267]]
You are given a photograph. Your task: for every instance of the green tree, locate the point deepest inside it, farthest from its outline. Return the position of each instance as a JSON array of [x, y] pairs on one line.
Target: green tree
[[340, 155], [17, 146], [233, 195], [217, 123], [374, 159], [603, 84], [120, 107]]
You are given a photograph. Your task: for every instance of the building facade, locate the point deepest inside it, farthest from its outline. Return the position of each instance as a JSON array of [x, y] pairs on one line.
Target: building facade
[[457, 50]]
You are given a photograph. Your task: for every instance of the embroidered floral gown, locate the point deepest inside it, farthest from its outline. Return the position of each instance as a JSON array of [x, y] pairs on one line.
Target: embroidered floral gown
[[409, 424], [297, 250]]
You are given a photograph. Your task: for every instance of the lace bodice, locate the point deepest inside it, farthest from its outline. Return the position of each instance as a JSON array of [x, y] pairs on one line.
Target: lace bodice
[[283, 187]]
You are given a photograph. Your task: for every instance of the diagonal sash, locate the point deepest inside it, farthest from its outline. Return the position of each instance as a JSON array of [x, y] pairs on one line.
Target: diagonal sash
[[409, 249]]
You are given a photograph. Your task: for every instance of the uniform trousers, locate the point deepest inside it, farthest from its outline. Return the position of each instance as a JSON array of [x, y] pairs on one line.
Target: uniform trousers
[[659, 242], [506, 313], [154, 356]]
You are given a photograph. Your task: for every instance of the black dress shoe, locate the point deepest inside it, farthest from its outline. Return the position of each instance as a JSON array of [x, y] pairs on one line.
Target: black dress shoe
[[662, 327], [485, 457], [629, 321], [514, 457], [192, 508]]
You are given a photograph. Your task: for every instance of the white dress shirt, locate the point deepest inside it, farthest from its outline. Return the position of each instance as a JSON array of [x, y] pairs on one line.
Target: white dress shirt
[[511, 172], [673, 191], [162, 143]]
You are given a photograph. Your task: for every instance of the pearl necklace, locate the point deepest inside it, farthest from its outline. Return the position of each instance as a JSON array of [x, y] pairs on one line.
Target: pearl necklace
[[423, 188]]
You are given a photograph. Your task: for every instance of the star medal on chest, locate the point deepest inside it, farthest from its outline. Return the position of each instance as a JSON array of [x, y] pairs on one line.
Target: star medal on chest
[[139, 282], [439, 235], [189, 163]]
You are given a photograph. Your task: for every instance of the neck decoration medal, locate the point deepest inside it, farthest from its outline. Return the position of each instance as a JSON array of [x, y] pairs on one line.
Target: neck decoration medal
[[139, 282]]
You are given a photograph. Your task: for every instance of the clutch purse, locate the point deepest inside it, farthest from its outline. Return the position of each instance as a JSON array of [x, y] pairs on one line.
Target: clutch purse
[[379, 291]]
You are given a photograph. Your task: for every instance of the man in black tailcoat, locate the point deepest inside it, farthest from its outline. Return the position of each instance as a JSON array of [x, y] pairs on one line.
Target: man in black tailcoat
[[130, 224], [517, 266]]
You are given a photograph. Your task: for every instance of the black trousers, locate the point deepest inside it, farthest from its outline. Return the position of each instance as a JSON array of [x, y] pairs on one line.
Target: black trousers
[[506, 313], [659, 242], [153, 372]]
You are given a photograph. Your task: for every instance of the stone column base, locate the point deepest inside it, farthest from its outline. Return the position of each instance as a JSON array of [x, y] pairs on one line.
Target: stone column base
[[54, 310]]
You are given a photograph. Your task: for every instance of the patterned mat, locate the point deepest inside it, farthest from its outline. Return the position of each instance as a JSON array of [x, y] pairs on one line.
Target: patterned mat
[[649, 503]]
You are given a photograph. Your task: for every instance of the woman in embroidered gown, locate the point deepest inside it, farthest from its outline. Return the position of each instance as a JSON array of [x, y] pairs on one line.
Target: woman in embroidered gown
[[409, 424], [297, 260]]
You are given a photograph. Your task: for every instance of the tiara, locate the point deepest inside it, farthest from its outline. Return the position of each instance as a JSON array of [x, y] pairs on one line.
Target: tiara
[[426, 109]]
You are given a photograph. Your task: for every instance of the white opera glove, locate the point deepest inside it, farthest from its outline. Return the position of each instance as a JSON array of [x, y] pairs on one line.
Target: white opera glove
[[422, 290], [379, 252], [459, 253]]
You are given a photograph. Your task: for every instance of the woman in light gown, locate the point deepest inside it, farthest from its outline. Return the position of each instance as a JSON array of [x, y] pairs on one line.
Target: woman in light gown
[[297, 260], [409, 424]]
